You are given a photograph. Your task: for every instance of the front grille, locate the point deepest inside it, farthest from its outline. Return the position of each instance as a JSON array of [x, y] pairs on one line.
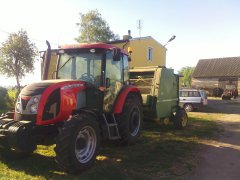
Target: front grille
[[24, 103]]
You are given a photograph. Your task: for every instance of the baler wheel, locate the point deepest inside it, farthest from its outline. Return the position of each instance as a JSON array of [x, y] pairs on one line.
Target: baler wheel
[[188, 107], [180, 119]]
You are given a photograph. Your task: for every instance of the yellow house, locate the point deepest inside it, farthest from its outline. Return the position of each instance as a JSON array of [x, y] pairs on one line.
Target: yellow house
[[146, 51]]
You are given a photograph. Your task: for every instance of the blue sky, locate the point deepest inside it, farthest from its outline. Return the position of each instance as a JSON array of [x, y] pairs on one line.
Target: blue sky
[[203, 29]]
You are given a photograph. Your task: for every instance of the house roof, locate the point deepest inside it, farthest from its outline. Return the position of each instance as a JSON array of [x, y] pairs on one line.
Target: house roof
[[217, 67], [133, 39]]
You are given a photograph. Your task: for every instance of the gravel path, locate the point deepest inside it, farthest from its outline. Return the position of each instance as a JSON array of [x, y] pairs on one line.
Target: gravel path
[[220, 159]]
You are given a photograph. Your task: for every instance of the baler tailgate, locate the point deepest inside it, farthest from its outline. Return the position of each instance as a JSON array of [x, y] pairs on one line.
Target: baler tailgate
[[159, 89]]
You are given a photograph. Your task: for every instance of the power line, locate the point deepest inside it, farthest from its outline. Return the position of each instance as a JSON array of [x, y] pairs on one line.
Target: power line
[[33, 39]]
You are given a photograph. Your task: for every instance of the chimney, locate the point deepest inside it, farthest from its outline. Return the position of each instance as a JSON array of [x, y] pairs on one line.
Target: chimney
[[129, 33], [125, 37]]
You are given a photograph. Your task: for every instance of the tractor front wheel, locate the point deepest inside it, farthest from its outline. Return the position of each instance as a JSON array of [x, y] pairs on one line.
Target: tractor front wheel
[[130, 120], [77, 143]]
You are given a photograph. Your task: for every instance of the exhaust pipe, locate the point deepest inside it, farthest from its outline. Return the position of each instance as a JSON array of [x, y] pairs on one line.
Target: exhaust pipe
[[46, 62]]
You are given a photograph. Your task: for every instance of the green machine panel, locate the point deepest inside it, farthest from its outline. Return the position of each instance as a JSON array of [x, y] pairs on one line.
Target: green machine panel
[[167, 98], [159, 90]]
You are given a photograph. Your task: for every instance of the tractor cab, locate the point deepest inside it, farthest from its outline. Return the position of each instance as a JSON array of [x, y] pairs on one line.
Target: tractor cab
[[104, 69]]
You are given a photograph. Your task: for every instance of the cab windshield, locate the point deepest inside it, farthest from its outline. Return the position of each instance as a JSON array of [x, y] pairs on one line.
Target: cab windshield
[[84, 64]]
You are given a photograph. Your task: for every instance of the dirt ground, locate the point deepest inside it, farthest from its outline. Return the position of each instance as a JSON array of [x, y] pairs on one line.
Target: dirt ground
[[220, 158]]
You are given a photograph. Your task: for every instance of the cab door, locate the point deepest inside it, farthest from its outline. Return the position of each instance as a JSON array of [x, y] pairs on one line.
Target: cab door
[[113, 81]]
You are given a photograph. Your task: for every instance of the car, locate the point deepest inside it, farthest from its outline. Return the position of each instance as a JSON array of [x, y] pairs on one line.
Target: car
[[191, 99]]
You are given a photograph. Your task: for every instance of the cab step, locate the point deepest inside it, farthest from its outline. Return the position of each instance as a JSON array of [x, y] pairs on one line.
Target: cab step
[[112, 127]]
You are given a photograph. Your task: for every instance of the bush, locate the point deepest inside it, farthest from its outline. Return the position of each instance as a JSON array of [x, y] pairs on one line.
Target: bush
[[3, 98], [12, 98]]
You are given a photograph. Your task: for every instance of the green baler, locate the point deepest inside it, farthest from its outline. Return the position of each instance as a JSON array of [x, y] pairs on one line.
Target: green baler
[[159, 88]]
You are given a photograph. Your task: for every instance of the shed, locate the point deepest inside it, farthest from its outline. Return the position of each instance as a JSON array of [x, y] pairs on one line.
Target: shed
[[217, 73]]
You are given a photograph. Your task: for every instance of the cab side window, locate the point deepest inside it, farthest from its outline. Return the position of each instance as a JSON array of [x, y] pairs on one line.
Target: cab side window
[[125, 68], [113, 69]]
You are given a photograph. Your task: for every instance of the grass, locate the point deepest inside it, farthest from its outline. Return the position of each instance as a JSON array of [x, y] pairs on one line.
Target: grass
[[161, 152], [214, 98]]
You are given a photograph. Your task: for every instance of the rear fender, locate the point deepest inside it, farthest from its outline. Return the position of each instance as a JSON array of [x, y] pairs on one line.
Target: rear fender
[[122, 98]]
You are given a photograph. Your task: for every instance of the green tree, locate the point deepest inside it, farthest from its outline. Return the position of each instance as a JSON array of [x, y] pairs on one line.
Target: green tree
[[17, 56], [93, 28], [187, 72]]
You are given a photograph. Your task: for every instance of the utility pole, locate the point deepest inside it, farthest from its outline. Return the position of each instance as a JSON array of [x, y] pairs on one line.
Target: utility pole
[[139, 27]]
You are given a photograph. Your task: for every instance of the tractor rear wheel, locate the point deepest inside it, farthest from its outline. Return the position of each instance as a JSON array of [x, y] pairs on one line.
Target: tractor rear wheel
[[180, 119], [130, 120], [77, 143]]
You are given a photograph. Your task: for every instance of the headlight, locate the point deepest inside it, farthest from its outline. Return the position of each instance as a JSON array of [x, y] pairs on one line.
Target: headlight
[[33, 104], [36, 99], [34, 108], [18, 107]]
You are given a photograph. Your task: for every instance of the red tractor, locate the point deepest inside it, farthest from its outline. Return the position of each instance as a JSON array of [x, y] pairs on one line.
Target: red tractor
[[89, 99]]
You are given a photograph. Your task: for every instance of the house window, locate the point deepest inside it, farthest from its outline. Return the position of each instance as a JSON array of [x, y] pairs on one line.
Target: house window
[[150, 54]]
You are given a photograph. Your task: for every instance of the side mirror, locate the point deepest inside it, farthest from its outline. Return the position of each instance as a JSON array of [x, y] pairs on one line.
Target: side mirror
[[107, 82], [117, 54]]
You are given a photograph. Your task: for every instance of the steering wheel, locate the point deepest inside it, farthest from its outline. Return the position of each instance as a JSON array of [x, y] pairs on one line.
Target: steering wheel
[[87, 77]]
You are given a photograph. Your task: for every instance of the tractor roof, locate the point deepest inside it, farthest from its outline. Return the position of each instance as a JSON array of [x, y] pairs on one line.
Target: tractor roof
[[91, 45]]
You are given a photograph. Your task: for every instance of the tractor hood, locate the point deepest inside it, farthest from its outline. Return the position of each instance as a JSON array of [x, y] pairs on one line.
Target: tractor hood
[[48, 101], [39, 87]]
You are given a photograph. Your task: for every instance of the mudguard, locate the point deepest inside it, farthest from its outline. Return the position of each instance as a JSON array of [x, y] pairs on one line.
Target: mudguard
[[118, 106]]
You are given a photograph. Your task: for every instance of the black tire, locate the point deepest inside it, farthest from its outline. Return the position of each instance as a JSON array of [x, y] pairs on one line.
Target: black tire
[[188, 107], [130, 120], [74, 151], [180, 119]]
